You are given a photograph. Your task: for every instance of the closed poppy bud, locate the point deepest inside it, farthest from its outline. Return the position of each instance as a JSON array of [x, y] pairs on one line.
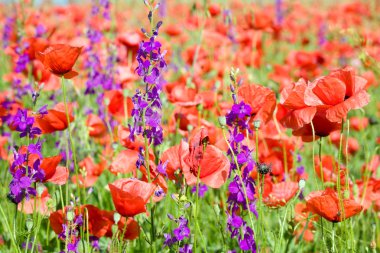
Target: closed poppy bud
[[59, 59]]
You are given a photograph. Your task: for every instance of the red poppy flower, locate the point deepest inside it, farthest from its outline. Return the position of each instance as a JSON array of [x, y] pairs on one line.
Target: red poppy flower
[[131, 195], [36, 45], [340, 92], [60, 59], [351, 143], [125, 162], [261, 99], [359, 124], [369, 192], [301, 216], [53, 173], [123, 134], [214, 9], [118, 103], [279, 194], [96, 126], [173, 159], [329, 169], [55, 120], [326, 204], [298, 113], [322, 127], [100, 222], [93, 171], [372, 166], [38, 204], [212, 164], [3, 152]]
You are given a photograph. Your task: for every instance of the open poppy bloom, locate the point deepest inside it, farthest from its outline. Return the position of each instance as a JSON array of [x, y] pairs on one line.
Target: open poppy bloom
[[207, 160], [59, 59], [326, 204], [130, 196], [340, 91], [54, 120], [277, 195]]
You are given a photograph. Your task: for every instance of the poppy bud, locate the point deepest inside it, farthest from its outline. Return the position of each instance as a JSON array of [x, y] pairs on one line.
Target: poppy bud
[[29, 224], [256, 123], [40, 189], [222, 121], [301, 184], [116, 217], [70, 215]]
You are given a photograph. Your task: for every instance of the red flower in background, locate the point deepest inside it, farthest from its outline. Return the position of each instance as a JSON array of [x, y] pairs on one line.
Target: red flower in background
[[93, 171], [131, 195], [59, 59], [125, 162], [261, 99], [96, 126], [326, 204], [328, 168], [55, 120], [277, 195], [351, 143]]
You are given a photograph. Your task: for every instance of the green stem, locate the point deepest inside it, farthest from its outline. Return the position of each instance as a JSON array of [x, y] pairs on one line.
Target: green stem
[[70, 136]]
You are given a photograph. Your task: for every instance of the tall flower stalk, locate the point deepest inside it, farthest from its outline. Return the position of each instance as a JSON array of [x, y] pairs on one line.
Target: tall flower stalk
[[146, 113], [241, 199]]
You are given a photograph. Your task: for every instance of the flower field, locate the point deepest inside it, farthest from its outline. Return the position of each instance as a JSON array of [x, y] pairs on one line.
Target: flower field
[[190, 126]]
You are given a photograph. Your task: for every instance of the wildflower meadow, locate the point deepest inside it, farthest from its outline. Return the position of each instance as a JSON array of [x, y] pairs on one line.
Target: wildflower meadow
[[189, 126]]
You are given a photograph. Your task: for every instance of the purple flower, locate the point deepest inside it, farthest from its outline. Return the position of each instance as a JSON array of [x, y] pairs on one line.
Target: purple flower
[[20, 187], [239, 115], [35, 149], [202, 190], [187, 248], [147, 104], [8, 29], [247, 241], [161, 168], [40, 30], [24, 124], [279, 12], [94, 242], [300, 170], [179, 234]]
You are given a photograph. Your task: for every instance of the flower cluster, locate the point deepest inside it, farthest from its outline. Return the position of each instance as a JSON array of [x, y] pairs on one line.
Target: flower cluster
[[179, 234], [99, 75], [242, 187], [25, 168], [23, 58], [147, 104]]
